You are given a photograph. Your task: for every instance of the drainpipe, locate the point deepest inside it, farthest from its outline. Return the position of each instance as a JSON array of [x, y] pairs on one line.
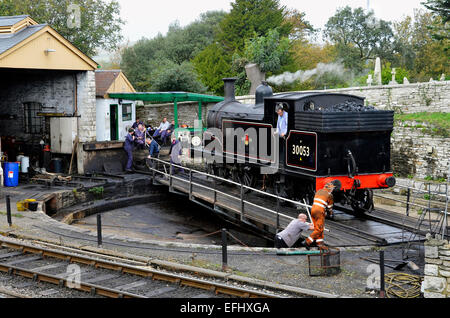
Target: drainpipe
[[75, 95]]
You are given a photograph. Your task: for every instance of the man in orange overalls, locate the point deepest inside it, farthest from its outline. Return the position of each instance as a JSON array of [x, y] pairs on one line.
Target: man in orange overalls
[[323, 204]]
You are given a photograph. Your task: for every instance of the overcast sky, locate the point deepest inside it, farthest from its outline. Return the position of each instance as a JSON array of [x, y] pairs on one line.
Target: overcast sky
[[147, 18]]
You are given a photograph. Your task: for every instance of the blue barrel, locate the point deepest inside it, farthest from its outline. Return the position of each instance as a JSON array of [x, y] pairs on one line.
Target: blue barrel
[[11, 174], [56, 165]]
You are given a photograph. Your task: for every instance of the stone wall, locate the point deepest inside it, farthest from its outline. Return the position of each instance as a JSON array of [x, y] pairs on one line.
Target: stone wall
[[416, 152], [187, 112], [86, 106], [55, 90], [436, 283], [409, 98]]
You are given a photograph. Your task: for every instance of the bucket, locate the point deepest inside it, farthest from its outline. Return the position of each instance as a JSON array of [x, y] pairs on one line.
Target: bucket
[[56, 165], [25, 164], [21, 206], [11, 174], [32, 206]]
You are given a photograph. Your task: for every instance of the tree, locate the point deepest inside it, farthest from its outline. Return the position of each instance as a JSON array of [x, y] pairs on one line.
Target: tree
[[270, 52], [184, 44], [416, 48], [250, 17], [441, 9], [212, 65], [174, 78], [359, 36], [145, 59], [100, 24]]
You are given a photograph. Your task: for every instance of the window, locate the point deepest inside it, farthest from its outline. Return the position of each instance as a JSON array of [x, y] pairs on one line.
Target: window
[[34, 124], [127, 112]]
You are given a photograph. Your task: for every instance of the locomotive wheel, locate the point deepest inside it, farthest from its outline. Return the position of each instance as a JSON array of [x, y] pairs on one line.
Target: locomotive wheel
[[244, 177], [363, 201]]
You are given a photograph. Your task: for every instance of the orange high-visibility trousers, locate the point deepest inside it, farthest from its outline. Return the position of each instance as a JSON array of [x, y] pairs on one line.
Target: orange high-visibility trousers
[[318, 218]]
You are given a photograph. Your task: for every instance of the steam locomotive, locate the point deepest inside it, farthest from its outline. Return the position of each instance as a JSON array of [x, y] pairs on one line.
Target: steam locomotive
[[330, 137]]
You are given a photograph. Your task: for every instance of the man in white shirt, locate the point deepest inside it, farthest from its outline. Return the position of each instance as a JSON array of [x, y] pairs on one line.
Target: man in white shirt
[[292, 235], [162, 128]]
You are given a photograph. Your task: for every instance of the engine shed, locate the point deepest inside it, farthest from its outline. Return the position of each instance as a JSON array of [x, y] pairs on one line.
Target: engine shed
[[47, 95]]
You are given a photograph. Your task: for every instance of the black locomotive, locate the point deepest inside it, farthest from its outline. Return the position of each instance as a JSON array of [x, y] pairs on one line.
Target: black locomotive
[[330, 137]]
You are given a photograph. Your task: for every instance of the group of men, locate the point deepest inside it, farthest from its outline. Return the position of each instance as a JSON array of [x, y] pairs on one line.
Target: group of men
[[139, 136]]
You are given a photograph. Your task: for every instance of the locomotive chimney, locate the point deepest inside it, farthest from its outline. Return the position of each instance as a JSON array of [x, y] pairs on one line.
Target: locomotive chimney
[[230, 89]]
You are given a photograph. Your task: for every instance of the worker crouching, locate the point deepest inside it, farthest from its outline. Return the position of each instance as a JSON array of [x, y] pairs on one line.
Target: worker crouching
[[322, 206]]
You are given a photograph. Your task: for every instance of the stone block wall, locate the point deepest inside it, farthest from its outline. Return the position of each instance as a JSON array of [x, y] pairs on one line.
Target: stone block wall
[[55, 90], [409, 98], [436, 283], [416, 152], [187, 112], [86, 106]]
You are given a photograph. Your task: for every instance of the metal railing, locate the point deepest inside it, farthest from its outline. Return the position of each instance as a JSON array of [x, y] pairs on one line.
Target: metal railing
[[242, 187]]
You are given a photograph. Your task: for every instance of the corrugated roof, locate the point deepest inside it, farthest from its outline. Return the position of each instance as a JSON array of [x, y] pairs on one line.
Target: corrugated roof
[[8, 41], [104, 80], [10, 21]]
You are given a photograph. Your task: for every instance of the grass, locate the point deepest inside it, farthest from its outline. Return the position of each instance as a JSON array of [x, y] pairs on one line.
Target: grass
[[16, 215], [439, 122]]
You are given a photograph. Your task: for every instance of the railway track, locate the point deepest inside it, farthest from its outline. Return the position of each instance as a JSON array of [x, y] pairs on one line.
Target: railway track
[[111, 277]]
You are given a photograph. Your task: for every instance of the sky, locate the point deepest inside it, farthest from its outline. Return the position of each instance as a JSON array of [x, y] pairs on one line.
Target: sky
[[147, 18]]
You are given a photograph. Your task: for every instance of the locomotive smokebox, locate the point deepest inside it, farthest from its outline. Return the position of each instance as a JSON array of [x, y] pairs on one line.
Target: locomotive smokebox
[[230, 89]]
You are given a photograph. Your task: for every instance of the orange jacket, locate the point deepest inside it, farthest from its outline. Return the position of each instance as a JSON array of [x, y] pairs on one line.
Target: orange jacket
[[323, 200]]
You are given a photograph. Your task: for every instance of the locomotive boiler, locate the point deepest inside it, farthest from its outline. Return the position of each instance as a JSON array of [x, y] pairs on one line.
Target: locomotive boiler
[[330, 137]]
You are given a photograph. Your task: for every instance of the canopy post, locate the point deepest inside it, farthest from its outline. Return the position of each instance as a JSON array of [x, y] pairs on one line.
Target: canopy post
[[175, 112], [200, 111]]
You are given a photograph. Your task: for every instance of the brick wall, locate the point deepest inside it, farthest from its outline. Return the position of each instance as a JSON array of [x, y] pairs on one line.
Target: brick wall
[[436, 283]]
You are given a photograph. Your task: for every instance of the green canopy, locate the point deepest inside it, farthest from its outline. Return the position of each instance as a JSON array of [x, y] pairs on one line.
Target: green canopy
[[170, 97]]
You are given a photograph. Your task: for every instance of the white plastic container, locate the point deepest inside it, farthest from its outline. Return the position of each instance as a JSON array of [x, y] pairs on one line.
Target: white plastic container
[[24, 164], [1, 176]]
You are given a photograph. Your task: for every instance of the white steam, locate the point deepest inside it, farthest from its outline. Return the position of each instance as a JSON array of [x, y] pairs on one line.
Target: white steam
[[336, 69]]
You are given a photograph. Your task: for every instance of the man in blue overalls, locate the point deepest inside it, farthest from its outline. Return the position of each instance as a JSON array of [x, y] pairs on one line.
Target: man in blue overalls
[[153, 150], [129, 143]]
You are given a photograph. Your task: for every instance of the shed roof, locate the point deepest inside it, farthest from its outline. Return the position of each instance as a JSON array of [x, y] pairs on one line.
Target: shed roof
[[108, 81], [11, 20], [104, 80], [8, 41], [27, 45]]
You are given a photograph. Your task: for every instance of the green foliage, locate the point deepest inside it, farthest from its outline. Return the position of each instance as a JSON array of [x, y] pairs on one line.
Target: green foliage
[[248, 17], [174, 77], [417, 49], [270, 52], [212, 65], [437, 124], [100, 20], [359, 36], [145, 62]]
